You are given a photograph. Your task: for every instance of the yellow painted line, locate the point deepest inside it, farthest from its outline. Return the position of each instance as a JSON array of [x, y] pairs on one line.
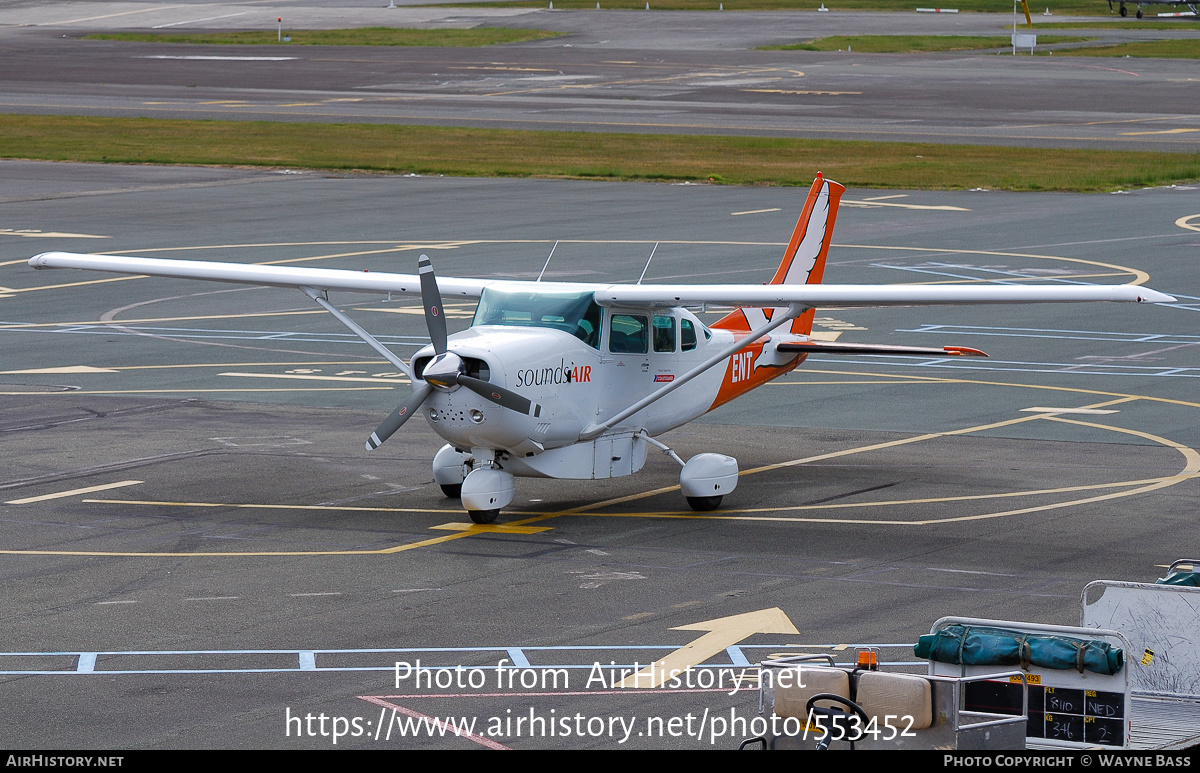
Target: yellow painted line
[[498, 528], [1186, 222], [301, 104], [1165, 131], [419, 311], [472, 530], [1040, 409], [269, 506], [881, 503], [721, 634], [305, 377], [73, 492], [883, 198], [756, 211], [943, 380]]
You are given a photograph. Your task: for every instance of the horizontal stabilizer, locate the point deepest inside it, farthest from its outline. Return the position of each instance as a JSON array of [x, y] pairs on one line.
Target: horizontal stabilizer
[[830, 347]]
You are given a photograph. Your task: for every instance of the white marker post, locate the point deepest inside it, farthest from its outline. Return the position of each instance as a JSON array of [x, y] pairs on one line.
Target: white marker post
[[280, 20]]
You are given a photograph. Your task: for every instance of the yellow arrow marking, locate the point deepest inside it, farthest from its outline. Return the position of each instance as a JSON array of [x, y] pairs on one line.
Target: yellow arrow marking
[[722, 633]]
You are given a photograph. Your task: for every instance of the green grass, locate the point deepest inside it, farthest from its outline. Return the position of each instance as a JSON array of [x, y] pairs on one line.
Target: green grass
[[367, 36], [897, 44], [1188, 48], [1057, 7], [511, 153]]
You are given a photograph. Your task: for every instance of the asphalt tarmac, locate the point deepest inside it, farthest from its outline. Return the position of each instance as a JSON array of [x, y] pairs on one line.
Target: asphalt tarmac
[[621, 71], [198, 552]]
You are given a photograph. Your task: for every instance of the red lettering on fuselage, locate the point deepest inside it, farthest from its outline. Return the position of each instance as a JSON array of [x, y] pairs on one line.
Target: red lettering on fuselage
[[581, 373]]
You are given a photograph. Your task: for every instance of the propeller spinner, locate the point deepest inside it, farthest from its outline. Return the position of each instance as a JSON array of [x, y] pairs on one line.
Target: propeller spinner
[[446, 371]]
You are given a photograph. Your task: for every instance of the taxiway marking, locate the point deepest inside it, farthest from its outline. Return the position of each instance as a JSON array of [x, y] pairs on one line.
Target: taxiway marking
[[73, 492], [722, 634]]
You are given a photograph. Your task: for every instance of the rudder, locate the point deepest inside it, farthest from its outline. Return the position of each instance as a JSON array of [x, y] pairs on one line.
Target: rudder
[[804, 259]]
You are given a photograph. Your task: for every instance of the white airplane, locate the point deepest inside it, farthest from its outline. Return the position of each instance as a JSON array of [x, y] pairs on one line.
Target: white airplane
[[1191, 4], [568, 380]]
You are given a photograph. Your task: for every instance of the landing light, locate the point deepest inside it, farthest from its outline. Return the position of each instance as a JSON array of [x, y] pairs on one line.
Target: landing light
[[476, 415]]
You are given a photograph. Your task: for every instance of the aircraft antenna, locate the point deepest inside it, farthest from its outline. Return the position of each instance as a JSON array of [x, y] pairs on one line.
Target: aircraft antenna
[[643, 276], [551, 255]]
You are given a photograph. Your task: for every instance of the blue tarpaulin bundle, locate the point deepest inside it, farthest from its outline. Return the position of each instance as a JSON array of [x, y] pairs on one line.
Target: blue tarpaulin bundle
[[977, 646]]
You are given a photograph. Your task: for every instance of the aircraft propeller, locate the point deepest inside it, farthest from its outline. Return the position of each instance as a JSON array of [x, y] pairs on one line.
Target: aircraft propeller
[[446, 370]]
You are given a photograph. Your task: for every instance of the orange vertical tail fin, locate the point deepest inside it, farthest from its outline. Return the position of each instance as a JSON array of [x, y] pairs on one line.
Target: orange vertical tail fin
[[804, 259]]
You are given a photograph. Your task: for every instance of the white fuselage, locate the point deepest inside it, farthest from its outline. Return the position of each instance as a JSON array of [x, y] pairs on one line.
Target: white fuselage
[[576, 385]]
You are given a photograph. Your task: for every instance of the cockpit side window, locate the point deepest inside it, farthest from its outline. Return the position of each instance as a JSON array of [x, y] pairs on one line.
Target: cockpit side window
[[664, 334], [628, 334], [687, 334]]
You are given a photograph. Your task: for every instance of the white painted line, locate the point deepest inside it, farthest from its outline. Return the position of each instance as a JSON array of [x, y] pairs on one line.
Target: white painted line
[[101, 603], [225, 58], [73, 492], [301, 377], [196, 21], [413, 590], [297, 595], [756, 211], [66, 369], [214, 598], [1091, 411], [870, 203], [87, 663], [308, 660]]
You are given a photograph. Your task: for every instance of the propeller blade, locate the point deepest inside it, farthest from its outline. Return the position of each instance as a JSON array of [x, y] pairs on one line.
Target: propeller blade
[[431, 298], [500, 396], [398, 417]]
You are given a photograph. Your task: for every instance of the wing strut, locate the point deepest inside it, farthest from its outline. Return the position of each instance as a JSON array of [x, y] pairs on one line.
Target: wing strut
[[780, 317], [320, 297]]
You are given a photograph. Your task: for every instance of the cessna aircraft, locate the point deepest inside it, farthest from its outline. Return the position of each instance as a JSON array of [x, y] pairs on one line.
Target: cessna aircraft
[[1139, 3], [568, 380]]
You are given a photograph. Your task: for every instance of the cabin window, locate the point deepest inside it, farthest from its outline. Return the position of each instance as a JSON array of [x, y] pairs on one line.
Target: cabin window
[[628, 334], [687, 334], [574, 313], [664, 334]]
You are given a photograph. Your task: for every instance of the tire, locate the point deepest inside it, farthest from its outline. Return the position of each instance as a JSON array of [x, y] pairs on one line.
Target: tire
[[704, 504], [1139, 13], [452, 490], [483, 516], [1124, 12]]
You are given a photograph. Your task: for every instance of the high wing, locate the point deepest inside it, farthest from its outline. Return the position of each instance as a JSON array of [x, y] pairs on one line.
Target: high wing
[[644, 295]]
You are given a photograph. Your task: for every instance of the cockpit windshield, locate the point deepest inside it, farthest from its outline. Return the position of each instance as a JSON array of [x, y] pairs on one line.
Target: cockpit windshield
[[574, 313]]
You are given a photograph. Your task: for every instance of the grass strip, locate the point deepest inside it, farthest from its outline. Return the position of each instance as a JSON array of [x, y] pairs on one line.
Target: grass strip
[[1184, 48], [1057, 7], [366, 36], [905, 44], [514, 153]]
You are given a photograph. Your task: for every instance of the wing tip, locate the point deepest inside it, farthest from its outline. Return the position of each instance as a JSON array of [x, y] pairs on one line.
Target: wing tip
[[964, 351]]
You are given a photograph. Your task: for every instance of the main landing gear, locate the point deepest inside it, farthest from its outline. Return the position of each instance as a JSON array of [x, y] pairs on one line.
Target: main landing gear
[[705, 478], [1125, 12], [485, 489]]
